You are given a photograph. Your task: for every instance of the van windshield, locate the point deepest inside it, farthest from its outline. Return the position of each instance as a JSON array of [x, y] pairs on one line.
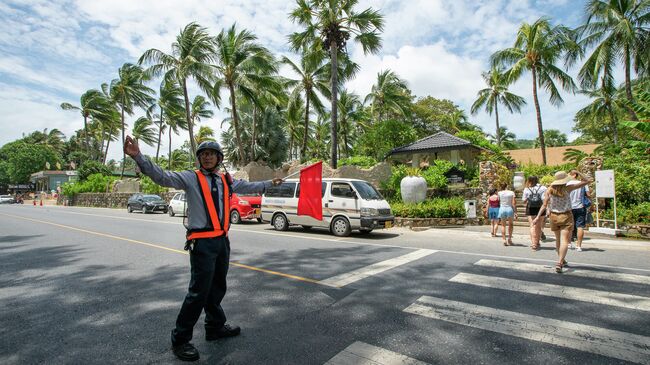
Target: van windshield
[[367, 191]]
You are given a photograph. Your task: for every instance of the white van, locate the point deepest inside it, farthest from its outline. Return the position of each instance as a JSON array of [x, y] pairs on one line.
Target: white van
[[348, 204]]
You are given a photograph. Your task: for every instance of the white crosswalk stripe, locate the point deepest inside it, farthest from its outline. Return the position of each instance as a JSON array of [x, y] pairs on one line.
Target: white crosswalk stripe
[[360, 353], [601, 341], [374, 269], [559, 291], [640, 279]]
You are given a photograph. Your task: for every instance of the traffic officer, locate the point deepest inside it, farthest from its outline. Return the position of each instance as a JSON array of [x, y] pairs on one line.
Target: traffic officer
[[208, 208]]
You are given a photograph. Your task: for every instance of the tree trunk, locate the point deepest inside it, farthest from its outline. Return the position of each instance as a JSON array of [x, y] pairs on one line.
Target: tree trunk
[[614, 124], [540, 129], [235, 123], [101, 145], [190, 127], [628, 83], [123, 141], [345, 137], [169, 163], [303, 148], [86, 134], [108, 143], [159, 135], [496, 113], [334, 85], [253, 133]]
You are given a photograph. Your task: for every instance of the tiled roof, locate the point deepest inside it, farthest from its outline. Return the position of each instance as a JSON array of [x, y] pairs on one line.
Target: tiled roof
[[438, 141]]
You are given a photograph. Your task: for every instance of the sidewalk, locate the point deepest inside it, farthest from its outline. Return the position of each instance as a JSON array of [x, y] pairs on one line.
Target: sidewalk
[[521, 235]]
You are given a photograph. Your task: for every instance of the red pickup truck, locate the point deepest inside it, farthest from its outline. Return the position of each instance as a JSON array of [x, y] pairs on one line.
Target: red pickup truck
[[245, 206]]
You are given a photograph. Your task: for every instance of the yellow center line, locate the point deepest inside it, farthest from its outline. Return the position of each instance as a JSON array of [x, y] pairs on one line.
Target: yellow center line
[[295, 277]]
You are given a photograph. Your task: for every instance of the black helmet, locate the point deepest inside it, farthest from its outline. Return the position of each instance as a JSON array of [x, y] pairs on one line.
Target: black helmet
[[209, 145]]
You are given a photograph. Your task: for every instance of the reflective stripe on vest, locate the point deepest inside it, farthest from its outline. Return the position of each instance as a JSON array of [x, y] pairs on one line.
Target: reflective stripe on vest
[[212, 212]]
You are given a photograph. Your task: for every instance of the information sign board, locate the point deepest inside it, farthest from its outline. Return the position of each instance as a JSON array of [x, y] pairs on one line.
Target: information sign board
[[605, 184]]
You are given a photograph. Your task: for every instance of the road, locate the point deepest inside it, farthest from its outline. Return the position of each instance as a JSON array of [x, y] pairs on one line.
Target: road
[[97, 286]]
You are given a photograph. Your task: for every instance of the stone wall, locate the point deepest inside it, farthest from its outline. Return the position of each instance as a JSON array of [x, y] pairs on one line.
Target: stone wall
[[436, 222], [106, 200]]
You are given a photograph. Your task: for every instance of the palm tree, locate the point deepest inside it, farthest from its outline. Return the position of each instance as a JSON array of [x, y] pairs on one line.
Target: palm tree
[[175, 121], [205, 133], [170, 100], [349, 105], [537, 48], [574, 155], [244, 68], [389, 95], [91, 104], [507, 138], [191, 55], [313, 77], [603, 107], [127, 92], [320, 142], [200, 109], [553, 138], [640, 130], [328, 26], [143, 131], [497, 92], [293, 126], [618, 29]]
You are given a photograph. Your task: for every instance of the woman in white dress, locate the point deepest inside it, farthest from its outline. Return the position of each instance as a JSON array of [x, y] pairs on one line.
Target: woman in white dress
[[507, 212]]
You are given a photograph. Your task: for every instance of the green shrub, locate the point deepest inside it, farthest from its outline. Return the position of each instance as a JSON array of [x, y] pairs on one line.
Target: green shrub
[[147, 186], [434, 208], [95, 183], [632, 173], [364, 162], [91, 167], [633, 214], [541, 170], [546, 180]]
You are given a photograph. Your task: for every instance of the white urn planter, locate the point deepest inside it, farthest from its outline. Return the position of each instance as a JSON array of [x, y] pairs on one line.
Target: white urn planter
[[414, 189], [518, 181]]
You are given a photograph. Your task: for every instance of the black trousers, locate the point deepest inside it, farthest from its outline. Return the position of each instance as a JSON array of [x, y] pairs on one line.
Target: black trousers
[[209, 261]]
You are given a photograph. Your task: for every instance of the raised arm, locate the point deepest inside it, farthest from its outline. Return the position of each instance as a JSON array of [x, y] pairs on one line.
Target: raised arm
[[173, 179], [246, 187], [579, 185]]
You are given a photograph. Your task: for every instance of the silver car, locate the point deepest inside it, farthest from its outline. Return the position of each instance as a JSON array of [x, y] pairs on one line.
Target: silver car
[[178, 205], [6, 199]]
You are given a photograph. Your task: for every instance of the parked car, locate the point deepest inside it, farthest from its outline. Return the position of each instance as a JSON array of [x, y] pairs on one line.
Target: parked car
[[146, 203], [178, 205], [6, 199], [348, 204], [245, 206]]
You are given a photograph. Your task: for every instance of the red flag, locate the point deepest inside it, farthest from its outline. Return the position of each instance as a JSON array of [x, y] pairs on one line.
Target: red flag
[[310, 200]]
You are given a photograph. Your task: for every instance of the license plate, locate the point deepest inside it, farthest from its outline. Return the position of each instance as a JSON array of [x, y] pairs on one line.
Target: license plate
[[388, 224]]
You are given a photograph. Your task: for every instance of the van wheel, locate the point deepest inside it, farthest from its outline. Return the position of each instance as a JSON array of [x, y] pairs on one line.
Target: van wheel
[[259, 220], [340, 227], [170, 211], [365, 231], [129, 209], [280, 222], [235, 218], [307, 228]]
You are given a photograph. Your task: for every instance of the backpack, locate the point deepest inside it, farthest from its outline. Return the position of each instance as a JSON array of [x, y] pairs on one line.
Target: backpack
[[586, 202], [535, 199]]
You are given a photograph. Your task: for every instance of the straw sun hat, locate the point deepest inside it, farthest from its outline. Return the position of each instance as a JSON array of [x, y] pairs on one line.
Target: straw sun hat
[[561, 178]]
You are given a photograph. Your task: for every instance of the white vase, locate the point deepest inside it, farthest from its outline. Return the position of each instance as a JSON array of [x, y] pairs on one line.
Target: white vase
[[414, 189], [518, 181]]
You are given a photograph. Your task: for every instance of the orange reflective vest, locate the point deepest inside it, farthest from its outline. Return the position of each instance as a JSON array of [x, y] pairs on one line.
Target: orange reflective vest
[[215, 229]]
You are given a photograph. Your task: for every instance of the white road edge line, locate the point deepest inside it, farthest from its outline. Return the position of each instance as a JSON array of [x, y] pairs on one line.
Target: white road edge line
[[374, 269], [640, 279], [360, 353], [596, 340], [558, 291]]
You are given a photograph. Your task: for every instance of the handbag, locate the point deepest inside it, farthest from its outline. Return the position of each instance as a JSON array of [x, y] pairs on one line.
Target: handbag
[[586, 202]]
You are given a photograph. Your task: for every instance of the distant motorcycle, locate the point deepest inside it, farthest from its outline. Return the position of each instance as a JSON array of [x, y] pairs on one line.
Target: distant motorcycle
[[19, 200]]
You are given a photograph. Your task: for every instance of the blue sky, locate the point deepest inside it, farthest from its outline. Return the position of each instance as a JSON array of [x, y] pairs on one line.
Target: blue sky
[[51, 51]]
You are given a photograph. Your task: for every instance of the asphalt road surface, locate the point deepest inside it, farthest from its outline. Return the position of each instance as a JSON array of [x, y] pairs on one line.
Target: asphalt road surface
[[99, 286]]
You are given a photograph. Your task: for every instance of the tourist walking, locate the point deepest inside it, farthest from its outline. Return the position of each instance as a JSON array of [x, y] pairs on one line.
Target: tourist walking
[[493, 211], [579, 204], [557, 200], [507, 212], [533, 198]]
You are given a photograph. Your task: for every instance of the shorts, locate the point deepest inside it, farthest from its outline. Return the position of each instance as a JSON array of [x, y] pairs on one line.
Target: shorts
[[533, 210], [493, 213], [579, 217], [560, 221], [506, 212]]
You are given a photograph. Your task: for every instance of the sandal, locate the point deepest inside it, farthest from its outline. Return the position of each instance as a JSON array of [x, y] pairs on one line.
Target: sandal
[[510, 242], [505, 243], [564, 263], [558, 268]]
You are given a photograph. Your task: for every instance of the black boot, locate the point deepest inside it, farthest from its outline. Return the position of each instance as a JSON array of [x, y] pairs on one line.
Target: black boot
[[225, 331], [186, 352]]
